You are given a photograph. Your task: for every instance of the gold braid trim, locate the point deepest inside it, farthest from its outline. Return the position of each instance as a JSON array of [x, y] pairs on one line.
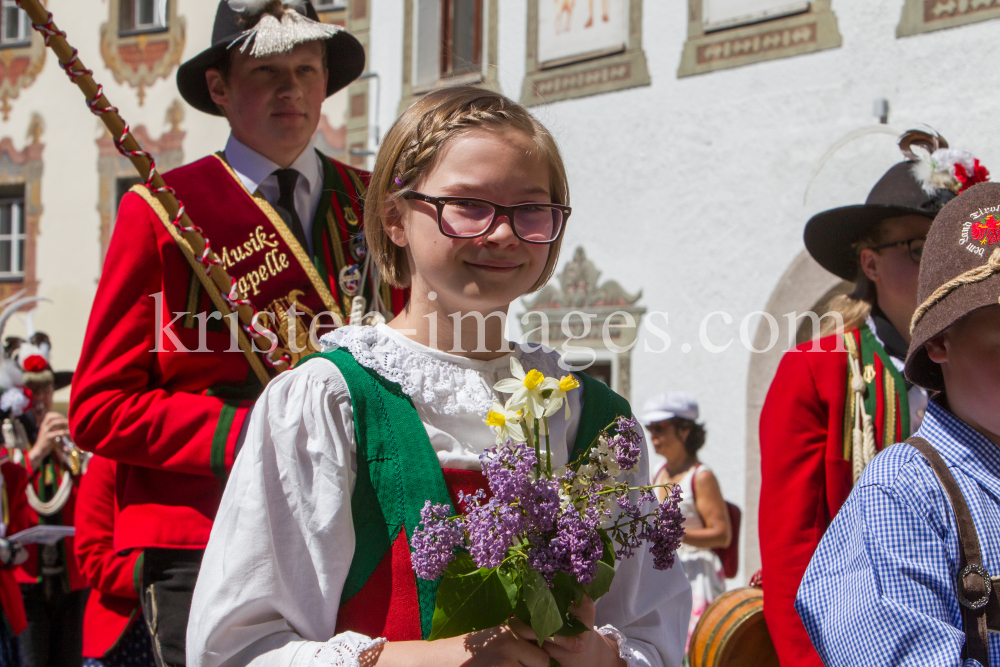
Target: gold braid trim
[[970, 277]]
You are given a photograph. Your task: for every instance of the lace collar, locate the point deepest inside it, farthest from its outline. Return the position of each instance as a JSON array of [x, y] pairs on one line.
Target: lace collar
[[445, 382]]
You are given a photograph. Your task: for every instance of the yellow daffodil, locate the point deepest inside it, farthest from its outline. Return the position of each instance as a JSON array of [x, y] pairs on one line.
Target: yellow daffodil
[[507, 423], [557, 393], [525, 389]]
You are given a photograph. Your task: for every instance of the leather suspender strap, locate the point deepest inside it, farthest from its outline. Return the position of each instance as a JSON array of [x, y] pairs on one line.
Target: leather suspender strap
[[974, 586]]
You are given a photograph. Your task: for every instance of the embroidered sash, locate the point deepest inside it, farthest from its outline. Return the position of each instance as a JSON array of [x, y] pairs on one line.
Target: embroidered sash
[[256, 248]]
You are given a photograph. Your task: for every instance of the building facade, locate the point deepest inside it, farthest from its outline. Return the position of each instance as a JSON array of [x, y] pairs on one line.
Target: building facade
[[693, 132]]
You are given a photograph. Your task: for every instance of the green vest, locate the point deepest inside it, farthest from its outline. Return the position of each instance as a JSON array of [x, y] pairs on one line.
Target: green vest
[[398, 469]]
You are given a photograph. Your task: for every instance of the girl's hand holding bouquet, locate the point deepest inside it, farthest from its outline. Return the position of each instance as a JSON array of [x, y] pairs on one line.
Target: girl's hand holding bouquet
[[541, 546]]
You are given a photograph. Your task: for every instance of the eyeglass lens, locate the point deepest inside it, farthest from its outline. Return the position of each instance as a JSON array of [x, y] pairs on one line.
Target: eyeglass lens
[[540, 223]]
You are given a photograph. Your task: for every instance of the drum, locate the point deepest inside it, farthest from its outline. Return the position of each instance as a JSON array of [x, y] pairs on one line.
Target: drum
[[732, 633]]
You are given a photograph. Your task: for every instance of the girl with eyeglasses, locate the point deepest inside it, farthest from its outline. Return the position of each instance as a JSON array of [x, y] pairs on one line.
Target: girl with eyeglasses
[[308, 563]]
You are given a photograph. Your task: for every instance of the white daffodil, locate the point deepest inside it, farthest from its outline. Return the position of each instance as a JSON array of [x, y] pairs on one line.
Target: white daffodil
[[525, 389], [557, 393], [507, 423]]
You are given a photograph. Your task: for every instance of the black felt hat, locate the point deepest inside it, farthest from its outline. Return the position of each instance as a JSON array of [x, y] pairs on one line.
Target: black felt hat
[[345, 56], [830, 236]]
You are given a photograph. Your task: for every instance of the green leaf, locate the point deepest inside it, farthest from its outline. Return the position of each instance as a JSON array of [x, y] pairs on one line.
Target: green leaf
[[469, 599], [609, 549], [572, 626], [511, 586], [567, 591], [601, 582], [545, 616]]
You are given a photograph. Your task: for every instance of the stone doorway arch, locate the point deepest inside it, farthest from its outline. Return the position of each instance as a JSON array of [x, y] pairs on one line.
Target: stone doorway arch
[[804, 286]]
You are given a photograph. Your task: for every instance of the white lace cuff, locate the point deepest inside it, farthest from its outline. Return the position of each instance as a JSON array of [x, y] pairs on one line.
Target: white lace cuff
[[624, 652], [344, 650]]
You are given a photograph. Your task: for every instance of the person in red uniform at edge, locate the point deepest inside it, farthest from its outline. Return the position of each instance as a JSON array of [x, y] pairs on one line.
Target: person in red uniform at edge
[[54, 590], [114, 632], [836, 401], [161, 388], [15, 518]]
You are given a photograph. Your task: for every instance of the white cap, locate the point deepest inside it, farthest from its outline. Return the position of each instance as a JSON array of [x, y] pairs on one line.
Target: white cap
[[669, 405]]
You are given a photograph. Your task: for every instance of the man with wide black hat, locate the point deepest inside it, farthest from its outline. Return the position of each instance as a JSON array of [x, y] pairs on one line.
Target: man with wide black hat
[[837, 401], [161, 387]]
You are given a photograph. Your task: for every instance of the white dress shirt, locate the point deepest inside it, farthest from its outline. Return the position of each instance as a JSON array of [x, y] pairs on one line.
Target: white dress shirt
[[257, 173], [270, 583]]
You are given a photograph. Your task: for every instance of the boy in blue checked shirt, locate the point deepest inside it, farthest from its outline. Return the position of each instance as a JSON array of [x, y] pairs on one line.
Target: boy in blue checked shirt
[[902, 577]]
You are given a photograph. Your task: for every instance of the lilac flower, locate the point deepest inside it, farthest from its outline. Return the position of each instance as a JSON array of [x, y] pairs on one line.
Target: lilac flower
[[667, 530], [508, 468], [625, 450], [574, 548], [492, 527], [434, 546]]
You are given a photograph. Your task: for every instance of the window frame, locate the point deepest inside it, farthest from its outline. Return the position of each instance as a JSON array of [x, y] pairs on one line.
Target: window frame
[[586, 74], [18, 236], [767, 38], [446, 41], [486, 75], [913, 20], [793, 9], [24, 24], [161, 9]]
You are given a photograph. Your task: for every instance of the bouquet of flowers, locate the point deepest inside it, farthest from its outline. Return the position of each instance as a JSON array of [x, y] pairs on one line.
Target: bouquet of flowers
[[541, 538]]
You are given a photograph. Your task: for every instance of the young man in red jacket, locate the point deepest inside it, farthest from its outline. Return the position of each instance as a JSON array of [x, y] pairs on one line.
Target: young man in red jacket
[[835, 402], [161, 387]]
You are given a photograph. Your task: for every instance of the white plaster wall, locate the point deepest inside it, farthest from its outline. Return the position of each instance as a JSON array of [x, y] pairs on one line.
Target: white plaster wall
[[692, 189]]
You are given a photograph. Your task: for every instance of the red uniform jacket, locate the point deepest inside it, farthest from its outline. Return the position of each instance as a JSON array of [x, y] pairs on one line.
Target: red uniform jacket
[[113, 601], [170, 418], [804, 482], [15, 482]]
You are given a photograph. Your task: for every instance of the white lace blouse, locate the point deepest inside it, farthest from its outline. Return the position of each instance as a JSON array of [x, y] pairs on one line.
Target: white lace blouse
[[283, 539]]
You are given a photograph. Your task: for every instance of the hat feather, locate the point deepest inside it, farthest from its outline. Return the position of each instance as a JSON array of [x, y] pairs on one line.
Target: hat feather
[[273, 35]]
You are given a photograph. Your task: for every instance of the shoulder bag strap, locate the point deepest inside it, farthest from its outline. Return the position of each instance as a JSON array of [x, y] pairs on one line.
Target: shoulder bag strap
[[974, 586]]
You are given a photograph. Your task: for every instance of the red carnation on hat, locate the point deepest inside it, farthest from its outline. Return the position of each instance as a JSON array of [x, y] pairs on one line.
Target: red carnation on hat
[[980, 174], [35, 364]]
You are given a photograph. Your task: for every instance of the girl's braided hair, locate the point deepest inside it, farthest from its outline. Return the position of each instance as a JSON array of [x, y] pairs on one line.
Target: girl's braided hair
[[411, 148]]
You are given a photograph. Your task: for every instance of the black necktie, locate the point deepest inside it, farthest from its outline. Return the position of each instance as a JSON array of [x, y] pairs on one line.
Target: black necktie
[[287, 178]]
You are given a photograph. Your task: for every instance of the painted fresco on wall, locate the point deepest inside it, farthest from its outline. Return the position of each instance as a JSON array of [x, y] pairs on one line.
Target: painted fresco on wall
[[571, 30]]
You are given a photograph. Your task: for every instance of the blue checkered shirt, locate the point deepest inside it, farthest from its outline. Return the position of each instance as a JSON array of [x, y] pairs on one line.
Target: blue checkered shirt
[[880, 589]]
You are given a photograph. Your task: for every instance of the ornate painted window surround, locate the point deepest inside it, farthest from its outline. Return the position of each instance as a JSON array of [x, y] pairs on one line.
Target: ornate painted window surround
[[920, 16], [111, 165], [487, 78], [806, 32], [601, 74], [140, 58], [24, 167]]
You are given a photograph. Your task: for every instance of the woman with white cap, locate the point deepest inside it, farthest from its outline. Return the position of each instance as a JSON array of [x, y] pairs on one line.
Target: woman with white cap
[[671, 419]]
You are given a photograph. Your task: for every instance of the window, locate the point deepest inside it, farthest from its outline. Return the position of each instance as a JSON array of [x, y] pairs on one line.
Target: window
[[720, 14], [122, 186], [12, 234], [14, 24], [142, 16], [732, 33], [329, 5], [448, 40]]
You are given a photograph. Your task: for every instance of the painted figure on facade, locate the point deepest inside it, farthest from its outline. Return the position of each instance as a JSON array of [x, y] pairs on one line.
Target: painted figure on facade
[[167, 397], [837, 401]]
